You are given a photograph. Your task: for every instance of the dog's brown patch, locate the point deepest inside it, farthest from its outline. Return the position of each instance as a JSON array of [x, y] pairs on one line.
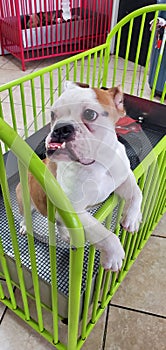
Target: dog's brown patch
[[38, 196], [82, 85], [112, 100]]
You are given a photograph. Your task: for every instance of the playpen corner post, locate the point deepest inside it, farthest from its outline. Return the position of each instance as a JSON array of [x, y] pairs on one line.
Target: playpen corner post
[[75, 280]]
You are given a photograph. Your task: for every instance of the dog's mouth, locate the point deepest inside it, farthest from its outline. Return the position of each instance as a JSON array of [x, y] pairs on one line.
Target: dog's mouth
[[53, 146], [65, 148]]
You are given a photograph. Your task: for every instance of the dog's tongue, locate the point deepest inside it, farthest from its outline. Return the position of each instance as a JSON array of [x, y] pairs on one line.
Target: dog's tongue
[[56, 145]]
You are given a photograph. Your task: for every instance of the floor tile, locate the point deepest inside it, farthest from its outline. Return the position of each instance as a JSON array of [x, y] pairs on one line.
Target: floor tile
[[15, 64], [19, 114], [7, 75], [121, 62], [95, 340], [128, 330], [160, 230], [144, 286], [15, 334], [5, 59], [2, 309], [49, 61], [2, 306]]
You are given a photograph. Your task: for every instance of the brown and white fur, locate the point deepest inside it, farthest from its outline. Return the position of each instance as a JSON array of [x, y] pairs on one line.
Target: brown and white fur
[[83, 152]]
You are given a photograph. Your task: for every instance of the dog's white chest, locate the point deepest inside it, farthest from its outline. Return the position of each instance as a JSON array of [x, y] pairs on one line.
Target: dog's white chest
[[85, 186], [81, 184]]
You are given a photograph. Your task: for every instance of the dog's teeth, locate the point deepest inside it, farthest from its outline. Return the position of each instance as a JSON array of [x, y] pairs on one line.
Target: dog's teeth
[[63, 145]]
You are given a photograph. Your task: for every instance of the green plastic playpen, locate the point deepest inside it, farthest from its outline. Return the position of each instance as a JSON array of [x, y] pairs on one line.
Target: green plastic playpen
[[79, 298]]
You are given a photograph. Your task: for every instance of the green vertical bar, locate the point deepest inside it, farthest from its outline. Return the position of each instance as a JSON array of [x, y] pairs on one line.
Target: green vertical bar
[[161, 209], [28, 219], [1, 110], [7, 277], [162, 193], [2, 117], [75, 70], [100, 68], [82, 70], [150, 202], [23, 109], [149, 54], [59, 81], [127, 52], [106, 61], [97, 293], [42, 98], [138, 52], [12, 109], [118, 217], [67, 71], [87, 291], [94, 69], [88, 70], [75, 279], [113, 282], [163, 94], [157, 70], [122, 239], [126, 248], [52, 252], [105, 289], [34, 103], [8, 207], [142, 184], [2, 295], [51, 89], [160, 182], [130, 252], [155, 187], [146, 183], [108, 221], [116, 56]]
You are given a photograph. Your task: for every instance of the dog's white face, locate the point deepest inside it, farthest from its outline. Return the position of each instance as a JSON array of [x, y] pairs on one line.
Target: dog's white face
[[82, 122]]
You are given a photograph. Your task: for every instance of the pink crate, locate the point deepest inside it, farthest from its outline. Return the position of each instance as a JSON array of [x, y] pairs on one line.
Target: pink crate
[[35, 29]]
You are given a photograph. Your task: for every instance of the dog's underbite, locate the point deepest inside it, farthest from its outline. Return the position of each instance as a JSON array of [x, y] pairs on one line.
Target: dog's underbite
[[84, 154]]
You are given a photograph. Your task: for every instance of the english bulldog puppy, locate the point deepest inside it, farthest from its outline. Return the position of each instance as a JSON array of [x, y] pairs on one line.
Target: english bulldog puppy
[[83, 152]]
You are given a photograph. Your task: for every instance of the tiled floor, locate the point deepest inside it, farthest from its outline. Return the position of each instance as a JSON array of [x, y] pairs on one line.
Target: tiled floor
[[136, 317]]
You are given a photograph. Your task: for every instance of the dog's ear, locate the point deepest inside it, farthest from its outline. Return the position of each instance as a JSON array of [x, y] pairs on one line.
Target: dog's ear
[[70, 85], [117, 95], [82, 85]]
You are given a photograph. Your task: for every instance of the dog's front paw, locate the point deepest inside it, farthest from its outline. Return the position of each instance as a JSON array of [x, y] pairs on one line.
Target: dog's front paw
[[23, 229], [112, 258], [131, 222]]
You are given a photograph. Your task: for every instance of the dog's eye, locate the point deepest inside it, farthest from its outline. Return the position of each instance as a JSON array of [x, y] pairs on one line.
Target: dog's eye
[[90, 114]]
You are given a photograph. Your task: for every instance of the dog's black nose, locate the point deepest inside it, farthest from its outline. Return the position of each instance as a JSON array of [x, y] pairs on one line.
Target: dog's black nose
[[62, 132]]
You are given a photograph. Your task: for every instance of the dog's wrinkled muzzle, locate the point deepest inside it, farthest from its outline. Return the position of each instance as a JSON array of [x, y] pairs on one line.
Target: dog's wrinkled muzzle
[[61, 134]]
